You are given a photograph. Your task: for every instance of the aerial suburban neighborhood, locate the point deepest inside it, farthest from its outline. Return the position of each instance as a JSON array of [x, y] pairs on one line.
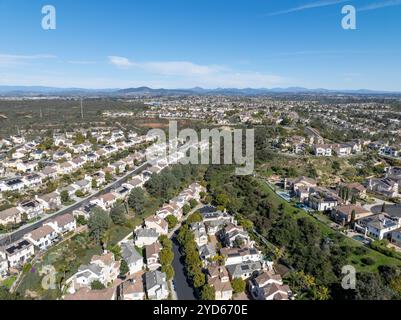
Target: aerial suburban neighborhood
[[200, 158]]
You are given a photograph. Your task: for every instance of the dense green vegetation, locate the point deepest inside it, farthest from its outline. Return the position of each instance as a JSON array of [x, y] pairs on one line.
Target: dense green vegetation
[[302, 243]]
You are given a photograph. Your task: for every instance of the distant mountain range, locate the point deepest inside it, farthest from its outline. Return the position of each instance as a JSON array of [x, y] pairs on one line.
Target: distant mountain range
[[146, 91]]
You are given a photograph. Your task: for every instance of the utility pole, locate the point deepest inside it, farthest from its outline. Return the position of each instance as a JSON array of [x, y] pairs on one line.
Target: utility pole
[[82, 110], [41, 113]]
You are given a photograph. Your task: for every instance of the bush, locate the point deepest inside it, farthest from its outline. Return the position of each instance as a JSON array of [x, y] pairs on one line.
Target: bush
[[238, 285], [368, 261], [97, 285]]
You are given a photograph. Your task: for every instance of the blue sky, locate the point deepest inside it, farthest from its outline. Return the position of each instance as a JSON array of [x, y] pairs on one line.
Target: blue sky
[[207, 43]]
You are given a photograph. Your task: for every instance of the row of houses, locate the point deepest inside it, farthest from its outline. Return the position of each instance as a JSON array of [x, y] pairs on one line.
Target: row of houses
[[16, 255], [156, 225], [241, 259]]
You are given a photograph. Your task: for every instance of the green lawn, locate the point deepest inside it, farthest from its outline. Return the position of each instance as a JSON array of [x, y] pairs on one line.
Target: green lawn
[[9, 282]]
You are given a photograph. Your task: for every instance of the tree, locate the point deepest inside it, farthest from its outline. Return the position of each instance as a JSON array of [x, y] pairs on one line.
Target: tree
[[79, 194], [117, 214], [165, 242], [65, 197], [238, 285], [124, 269], [199, 278], [208, 293], [79, 138], [98, 224], [97, 285], [166, 256], [109, 177], [137, 200], [353, 217], [172, 221], [222, 200], [186, 209], [169, 271], [81, 220], [94, 184], [193, 203], [195, 217]]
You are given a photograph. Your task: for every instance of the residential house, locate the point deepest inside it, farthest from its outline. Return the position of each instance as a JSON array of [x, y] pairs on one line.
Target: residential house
[[342, 150], [322, 150], [135, 182], [269, 286], [132, 257], [32, 208], [10, 216], [356, 189], [32, 180], [199, 232], [233, 235], [78, 163], [63, 224], [43, 237], [394, 174], [85, 185], [27, 166], [144, 237], [61, 155], [118, 166], [102, 268], [14, 184], [244, 270], [66, 168], [344, 214], [170, 209], [386, 187], [206, 253], [157, 223], [19, 253], [238, 255], [133, 289], [323, 201], [99, 177], [378, 226], [218, 278], [50, 201], [156, 285], [152, 252], [106, 201], [50, 172]]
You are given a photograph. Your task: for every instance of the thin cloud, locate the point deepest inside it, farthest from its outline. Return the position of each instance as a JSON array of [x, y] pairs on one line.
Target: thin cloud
[[9, 59], [312, 5], [184, 72], [379, 5], [167, 68], [81, 62]]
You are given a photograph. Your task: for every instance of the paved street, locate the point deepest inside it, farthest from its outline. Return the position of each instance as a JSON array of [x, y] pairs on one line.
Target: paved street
[[183, 289]]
